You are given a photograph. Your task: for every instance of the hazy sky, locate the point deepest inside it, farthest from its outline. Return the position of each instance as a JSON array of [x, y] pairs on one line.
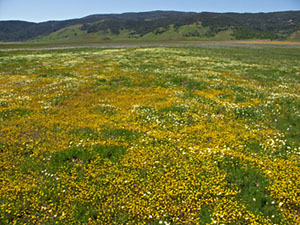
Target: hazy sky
[[43, 10]]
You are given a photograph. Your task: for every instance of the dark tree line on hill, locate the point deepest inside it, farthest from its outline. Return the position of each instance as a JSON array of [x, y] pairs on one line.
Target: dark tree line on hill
[[141, 27], [276, 25], [245, 26]]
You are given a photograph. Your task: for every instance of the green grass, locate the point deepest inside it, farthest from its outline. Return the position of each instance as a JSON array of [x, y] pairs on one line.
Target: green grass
[[83, 132], [12, 113], [56, 75], [252, 185], [289, 120], [120, 133], [112, 153], [205, 215], [72, 156], [84, 155], [294, 36]]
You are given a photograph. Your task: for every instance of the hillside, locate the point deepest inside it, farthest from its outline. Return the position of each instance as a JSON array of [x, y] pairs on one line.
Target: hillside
[[159, 25]]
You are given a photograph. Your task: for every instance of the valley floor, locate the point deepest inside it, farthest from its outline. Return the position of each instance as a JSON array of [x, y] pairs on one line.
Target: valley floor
[[150, 135], [8, 46]]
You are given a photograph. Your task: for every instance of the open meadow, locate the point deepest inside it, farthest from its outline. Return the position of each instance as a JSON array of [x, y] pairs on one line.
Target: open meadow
[[150, 135]]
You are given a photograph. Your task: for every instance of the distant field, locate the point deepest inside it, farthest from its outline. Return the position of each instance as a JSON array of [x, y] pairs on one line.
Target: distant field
[[150, 135], [131, 44]]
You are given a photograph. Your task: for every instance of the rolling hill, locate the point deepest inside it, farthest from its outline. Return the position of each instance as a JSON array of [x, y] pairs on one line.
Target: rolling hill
[[158, 25]]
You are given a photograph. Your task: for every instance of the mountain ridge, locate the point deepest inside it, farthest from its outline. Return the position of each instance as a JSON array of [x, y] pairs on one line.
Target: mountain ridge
[[156, 25]]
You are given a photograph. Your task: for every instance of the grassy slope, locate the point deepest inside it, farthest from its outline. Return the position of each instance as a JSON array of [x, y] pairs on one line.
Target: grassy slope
[[295, 36], [74, 34]]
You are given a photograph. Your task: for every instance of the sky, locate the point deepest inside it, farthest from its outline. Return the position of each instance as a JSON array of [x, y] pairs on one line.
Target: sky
[[44, 10]]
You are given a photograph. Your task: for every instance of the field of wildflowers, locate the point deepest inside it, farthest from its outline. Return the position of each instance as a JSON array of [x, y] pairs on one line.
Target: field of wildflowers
[[150, 136]]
